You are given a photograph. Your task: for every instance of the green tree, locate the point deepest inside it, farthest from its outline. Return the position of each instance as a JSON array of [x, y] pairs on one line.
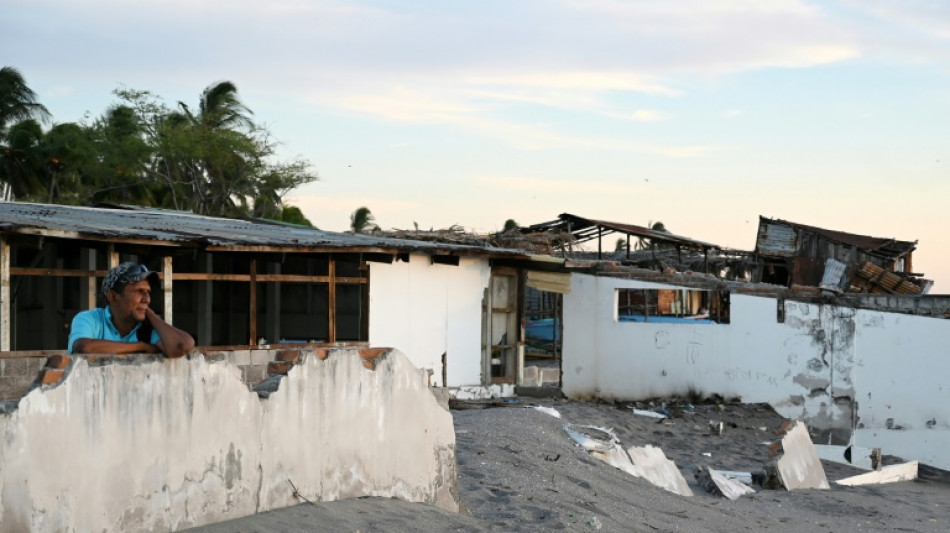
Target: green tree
[[216, 162], [361, 221], [510, 225], [17, 100], [621, 245], [293, 215], [21, 169], [644, 243], [20, 136]]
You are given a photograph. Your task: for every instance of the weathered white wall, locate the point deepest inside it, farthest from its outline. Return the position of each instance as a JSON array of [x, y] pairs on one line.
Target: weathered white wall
[[426, 310], [834, 367], [901, 373], [157, 445], [337, 430]]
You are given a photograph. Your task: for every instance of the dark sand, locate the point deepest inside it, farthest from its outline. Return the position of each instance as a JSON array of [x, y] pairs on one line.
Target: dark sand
[[519, 471]]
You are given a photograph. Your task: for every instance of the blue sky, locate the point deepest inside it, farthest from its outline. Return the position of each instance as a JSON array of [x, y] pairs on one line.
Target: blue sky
[[703, 114]]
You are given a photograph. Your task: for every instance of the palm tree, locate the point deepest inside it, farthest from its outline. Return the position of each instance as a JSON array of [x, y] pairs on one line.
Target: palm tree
[[643, 243], [361, 221], [221, 137], [17, 100]]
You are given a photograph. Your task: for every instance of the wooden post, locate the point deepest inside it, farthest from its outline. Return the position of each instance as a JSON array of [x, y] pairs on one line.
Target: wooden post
[[331, 301], [204, 310], [252, 312], [87, 260], [113, 256], [167, 286], [6, 309], [600, 239], [272, 290], [628, 247]]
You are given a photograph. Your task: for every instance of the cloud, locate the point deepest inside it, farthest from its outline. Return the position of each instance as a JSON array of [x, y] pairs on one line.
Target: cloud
[[732, 113], [648, 115], [583, 186]]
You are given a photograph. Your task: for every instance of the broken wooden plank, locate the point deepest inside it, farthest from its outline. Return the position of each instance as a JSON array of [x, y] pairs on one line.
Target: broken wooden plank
[[888, 474]]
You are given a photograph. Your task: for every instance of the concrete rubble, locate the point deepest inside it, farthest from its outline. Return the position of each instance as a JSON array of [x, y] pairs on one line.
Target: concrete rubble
[[797, 465], [720, 482], [888, 474], [647, 462]]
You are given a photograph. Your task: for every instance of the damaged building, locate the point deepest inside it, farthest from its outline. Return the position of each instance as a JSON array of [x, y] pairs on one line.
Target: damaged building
[[854, 355]]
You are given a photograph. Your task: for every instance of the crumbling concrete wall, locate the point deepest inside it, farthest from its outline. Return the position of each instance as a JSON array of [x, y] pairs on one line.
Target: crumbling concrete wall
[[143, 443], [834, 367], [428, 310]]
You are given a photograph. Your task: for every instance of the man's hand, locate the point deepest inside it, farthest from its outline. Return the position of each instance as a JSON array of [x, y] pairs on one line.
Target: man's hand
[[101, 346], [172, 341]]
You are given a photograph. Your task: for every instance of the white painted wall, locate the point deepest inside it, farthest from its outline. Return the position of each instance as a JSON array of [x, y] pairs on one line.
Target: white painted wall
[[426, 310], [151, 444], [815, 366], [901, 373]]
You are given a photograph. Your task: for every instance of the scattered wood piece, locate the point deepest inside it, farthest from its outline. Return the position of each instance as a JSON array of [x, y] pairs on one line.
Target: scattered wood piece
[[888, 474]]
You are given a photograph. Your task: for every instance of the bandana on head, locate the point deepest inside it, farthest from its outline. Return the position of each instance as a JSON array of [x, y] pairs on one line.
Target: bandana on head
[[124, 274]]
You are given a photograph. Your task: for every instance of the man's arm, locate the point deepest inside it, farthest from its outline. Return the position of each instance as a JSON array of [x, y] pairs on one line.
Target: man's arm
[[117, 347], [172, 341]]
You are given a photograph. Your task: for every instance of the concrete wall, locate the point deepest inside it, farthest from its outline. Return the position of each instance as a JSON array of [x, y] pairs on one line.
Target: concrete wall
[[834, 367], [17, 374], [148, 444], [427, 310]]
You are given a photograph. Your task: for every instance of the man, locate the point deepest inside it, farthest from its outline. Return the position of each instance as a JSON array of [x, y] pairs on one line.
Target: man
[[127, 324]]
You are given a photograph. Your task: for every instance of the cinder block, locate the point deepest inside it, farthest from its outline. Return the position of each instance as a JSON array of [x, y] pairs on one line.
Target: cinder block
[[550, 376], [254, 374], [16, 367], [57, 362], [261, 357], [279, 368], [530, 377], [51, 377], [288, 356], [240, 357], [14, 387]]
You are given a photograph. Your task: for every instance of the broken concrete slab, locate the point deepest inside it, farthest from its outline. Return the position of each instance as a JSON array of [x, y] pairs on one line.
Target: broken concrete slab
[[888, 474], [799, 466], [653, 465], [647, 462], [717, 482]]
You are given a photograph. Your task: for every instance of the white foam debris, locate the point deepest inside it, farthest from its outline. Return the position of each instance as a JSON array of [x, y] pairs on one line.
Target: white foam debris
[[548, 410]]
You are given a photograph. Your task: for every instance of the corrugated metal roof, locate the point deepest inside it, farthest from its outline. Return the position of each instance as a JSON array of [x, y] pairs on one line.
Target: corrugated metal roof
[[585, 229], [189, 229], [776, 239], [879, 245]]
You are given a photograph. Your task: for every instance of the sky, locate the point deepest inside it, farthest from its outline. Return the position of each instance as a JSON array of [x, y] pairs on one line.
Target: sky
[[702, 114]]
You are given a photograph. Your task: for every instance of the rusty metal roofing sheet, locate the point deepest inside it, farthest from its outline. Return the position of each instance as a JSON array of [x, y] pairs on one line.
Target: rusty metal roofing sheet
[[775, 239], [585, 229], [879, 245], [189, 229]]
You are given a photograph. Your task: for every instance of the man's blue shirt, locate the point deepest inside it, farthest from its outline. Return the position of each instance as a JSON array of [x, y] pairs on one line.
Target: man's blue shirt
[[97, 324]]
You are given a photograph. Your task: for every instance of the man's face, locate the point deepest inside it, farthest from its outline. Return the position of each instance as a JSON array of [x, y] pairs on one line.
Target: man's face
[[132, 301]]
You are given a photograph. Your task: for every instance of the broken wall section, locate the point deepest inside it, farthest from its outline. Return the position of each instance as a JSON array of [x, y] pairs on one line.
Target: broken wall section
[[144, 443]]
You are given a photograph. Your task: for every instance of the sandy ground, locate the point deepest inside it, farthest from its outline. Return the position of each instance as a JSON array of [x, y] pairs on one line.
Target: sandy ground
[[519, 471]]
